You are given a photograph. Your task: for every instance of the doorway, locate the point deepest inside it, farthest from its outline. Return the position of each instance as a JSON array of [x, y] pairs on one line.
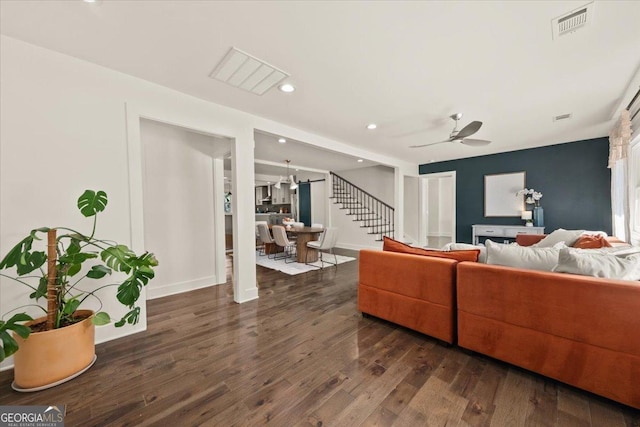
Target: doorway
[[438, 219]]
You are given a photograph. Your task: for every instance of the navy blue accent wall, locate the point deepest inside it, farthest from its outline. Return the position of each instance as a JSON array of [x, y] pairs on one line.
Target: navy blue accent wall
[[573, 178]]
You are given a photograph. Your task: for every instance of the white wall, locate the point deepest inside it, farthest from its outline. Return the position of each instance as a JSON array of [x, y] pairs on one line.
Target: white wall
[[445, 208], [67, 125], [379, 182], [412, 209], [64, 129], [440, 206], [433, 221], [376, 180], [178, 207], [319, 200]]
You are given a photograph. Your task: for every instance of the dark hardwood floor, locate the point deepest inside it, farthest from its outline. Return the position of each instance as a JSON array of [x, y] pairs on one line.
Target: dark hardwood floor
[[302, 355]]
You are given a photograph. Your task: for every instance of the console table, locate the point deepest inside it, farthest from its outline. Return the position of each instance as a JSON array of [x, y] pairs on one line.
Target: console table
[[509, 231]]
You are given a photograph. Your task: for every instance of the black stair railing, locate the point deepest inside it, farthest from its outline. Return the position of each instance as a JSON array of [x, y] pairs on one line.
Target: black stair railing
[[373, 213]]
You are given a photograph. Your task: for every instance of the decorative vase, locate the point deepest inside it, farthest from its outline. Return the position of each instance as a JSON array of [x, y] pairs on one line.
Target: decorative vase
[[538, 216]]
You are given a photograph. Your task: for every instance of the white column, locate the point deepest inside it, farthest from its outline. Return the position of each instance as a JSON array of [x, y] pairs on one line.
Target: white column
[[243, 206], [328, 188], [399, 204], [219, 220]]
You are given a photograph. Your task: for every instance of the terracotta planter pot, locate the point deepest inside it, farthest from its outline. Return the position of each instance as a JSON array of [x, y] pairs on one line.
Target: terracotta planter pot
[[52, 357]]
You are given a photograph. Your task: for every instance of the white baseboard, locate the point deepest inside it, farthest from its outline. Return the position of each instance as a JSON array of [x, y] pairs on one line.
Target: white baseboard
[[178, 288], [374, 245], [118, 333]]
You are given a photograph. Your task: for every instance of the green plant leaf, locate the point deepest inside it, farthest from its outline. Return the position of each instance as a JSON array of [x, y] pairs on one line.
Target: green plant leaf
[[118, 257], [9, 345], [30, 261], [74, 269], [128, 292], [91, 202], [74, 247], [101, 318], [77, 258], [131, 318], [42, 289], [70, 306], [19, 317], [98, 272], [21, 330], [13, 256], [146, 259], [34, 233]]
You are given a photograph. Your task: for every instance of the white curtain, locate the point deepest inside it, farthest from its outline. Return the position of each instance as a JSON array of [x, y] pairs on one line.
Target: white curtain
[[620, 199], [619, 139]]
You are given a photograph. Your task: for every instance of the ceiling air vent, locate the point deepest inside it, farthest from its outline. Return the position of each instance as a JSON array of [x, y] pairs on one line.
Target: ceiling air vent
[[572, 21], [562, 117], [241, 70]]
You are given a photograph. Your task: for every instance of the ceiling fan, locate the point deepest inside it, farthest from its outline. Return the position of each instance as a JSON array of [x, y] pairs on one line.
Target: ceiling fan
[[461, 135]]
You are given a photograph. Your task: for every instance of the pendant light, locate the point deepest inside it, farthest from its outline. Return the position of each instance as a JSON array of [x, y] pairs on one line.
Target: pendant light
[[288, 179]]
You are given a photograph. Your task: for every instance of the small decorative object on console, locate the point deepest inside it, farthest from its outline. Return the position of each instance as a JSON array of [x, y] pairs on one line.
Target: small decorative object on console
[[533, 198]]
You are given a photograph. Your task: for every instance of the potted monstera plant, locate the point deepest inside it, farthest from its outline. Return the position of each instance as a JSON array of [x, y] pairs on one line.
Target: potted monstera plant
[[75, 266]]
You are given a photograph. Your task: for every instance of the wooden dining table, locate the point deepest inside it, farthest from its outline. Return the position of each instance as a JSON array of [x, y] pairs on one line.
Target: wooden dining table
[[304, 235]]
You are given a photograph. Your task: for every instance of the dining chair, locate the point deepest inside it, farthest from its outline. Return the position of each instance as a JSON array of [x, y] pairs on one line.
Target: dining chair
[[327, 242], [318, 225], [265, 238], [281, 239], [259, 242]]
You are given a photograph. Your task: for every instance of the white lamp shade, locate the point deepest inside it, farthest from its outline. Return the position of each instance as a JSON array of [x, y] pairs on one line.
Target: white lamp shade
[[279, 183], [526, 215], [293, 185]]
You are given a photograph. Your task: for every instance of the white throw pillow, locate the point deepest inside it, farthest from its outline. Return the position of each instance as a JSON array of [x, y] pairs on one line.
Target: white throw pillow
[[527, 257], [482, 257], [569, 237], [623, 266]]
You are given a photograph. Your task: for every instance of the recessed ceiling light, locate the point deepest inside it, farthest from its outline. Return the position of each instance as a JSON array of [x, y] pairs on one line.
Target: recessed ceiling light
[[372, 126], [297, 169], [90, 1], [282, 140], [360, 160], [286, 87]]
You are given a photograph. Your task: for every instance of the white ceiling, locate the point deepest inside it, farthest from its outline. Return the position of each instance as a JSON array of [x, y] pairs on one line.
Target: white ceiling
[[404, 65]]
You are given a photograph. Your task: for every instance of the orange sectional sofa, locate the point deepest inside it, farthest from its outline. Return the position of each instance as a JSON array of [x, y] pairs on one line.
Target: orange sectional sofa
[[410, 290], [579, 330]]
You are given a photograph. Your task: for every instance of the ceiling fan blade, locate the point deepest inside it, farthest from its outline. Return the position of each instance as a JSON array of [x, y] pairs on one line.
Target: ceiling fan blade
[[475, 142], [432, 143], [469, 130]]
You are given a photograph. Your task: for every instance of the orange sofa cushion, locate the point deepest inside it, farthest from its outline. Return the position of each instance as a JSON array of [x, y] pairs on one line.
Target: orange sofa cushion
[[391, 245], [592, 241], [529, 239]]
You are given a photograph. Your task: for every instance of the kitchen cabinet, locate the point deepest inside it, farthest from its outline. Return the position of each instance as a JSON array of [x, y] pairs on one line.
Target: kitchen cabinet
[[281, 196], [262, 192]]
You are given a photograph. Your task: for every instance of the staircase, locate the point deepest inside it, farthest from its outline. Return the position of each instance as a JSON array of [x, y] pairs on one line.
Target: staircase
[[375, 216]]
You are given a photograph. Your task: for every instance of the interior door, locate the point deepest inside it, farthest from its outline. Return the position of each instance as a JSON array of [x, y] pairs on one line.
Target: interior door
[[304, 201]]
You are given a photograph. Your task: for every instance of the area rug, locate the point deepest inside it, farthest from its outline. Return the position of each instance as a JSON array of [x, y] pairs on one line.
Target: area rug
[[295, 267]]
